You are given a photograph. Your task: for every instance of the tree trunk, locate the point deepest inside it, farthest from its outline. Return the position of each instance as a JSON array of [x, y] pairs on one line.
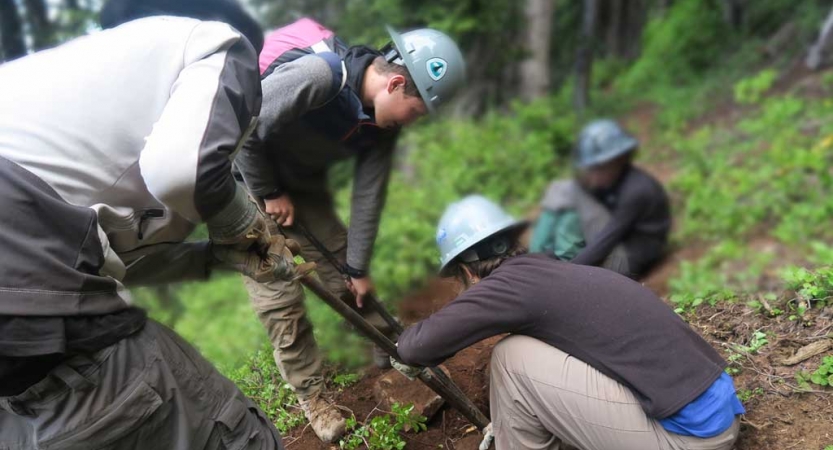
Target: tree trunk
[[11, 31], [615, 27], [584, 55], [733, 13], [535, 70], [42, 36], [636, 16], [819, 52], [72, 5]]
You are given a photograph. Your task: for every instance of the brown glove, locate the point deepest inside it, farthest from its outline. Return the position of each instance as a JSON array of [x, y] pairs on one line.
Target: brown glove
[[273, 264]]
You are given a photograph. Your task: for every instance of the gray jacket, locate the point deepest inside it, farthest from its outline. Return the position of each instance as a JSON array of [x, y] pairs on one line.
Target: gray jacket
[[140, 130], [308, 103]]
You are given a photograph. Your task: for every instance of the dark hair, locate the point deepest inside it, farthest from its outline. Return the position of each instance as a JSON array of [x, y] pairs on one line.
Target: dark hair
[[117, 12], [484, 267], [385, 67]]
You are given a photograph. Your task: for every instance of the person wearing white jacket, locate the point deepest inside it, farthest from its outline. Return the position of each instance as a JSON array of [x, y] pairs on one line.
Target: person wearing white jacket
[[113, 147]]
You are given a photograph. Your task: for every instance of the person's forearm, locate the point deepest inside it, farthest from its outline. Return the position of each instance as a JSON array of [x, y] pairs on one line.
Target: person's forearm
[[370, 187], [181, 262]]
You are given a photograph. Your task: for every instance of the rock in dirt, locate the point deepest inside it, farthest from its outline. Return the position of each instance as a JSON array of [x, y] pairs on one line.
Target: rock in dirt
[[393, 387], [808, 351]]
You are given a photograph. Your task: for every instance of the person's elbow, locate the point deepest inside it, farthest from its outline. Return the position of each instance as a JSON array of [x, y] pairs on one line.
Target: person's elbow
[[169, 185], [412, 353]]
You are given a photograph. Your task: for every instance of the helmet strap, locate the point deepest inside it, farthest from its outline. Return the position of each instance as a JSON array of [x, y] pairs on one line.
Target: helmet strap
[[495, 246], [391, 54]]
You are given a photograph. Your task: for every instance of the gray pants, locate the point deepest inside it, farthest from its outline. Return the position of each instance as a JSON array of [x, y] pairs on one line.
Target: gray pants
[[151, 390], [543, 398]]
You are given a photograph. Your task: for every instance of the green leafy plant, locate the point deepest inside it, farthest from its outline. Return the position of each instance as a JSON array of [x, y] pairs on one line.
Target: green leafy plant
[[750, 90], [260, 380], [383, 432], [756, 342], [823, 376], [748, 394], [812, 286], [344, 380]]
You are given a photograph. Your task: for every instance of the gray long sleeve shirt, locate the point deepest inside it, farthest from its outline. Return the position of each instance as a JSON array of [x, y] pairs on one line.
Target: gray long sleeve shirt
[[292, 152]]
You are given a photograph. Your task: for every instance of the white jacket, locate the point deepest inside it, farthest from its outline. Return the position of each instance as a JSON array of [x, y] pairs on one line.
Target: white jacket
[[138, 122]]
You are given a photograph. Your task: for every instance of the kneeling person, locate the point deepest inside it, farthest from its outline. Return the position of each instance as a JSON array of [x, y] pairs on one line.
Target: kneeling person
[[613, 214], [594, 360]]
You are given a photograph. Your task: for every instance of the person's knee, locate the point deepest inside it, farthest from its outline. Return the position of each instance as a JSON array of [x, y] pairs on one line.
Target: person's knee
[[508, 350], [268, 297]]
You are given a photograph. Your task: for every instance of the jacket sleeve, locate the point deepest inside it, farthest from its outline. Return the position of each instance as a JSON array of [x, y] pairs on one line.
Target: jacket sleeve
[[624, 216], [290, 91], [186, 160], [490, 308], [370, 187]]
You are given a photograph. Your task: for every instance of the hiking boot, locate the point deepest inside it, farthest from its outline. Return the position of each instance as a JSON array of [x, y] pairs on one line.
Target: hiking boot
[[324, 417]]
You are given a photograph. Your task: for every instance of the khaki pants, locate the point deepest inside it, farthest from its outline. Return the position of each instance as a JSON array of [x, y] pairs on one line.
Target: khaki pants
[[280, 305], [151, 390], [542, 398]]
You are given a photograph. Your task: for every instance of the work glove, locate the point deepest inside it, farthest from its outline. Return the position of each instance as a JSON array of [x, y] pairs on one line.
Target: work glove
[[410, 372], [275, 264], [245, 239], [488, 437]]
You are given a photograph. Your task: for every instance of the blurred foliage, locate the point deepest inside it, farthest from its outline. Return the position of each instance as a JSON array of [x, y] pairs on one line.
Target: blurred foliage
[[750, 90], [679, 45]]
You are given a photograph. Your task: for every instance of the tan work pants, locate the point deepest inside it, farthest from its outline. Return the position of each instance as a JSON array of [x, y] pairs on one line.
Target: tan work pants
[[543, 398], [280, 304]]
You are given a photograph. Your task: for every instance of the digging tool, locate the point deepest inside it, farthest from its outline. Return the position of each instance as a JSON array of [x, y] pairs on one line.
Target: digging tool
[[446, 389], [371, 299], [377, 305]]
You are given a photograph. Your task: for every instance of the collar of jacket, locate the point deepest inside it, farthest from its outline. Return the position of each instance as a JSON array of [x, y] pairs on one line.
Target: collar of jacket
[[357, 60]]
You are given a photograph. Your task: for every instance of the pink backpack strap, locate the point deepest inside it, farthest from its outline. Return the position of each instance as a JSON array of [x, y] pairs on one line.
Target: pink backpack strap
[[302, 33]]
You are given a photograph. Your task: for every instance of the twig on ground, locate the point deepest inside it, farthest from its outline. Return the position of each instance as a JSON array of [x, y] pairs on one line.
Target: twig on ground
[[746, 421]]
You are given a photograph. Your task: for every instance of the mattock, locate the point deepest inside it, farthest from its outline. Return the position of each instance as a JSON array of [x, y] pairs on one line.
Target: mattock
[[442, 385], [433, 377]]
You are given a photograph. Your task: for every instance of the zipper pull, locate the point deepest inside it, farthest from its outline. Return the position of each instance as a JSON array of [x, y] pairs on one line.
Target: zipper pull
[[149, 214]]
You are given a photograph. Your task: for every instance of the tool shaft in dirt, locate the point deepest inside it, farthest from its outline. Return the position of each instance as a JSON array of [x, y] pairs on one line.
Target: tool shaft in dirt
[[371, 300], [447, 390]]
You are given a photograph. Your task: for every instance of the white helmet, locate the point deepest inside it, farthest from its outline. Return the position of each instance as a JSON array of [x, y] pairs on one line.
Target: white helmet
[[470, 221]]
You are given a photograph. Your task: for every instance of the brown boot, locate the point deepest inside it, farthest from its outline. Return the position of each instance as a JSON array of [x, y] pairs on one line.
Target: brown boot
[[324, 417]]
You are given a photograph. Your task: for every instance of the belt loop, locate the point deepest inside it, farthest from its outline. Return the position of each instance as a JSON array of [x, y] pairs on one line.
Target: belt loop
[[72, 378]]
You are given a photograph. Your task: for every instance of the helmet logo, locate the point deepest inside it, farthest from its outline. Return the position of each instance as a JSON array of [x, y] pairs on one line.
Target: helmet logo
[[441, 235], [436, 68]]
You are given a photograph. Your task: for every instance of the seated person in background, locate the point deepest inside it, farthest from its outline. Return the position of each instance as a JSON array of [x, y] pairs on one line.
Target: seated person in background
[[580, 366], [612, 215]]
